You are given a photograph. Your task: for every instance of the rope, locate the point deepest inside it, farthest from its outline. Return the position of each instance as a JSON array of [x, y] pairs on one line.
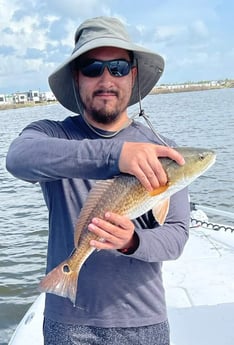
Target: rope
[[212, 226]]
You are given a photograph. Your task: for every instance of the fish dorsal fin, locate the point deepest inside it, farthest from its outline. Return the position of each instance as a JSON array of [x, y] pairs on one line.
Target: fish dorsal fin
[[160, 211], [95, 194]]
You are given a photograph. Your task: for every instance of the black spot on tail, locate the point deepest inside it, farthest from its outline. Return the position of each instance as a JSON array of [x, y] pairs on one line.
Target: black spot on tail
[[66, 269]]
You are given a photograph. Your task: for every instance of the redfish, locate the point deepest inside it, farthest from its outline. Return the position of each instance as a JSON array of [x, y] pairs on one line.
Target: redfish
[[123, 195]]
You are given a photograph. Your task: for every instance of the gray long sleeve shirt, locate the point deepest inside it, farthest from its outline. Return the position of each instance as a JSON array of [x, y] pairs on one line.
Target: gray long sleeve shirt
[[114, 290]]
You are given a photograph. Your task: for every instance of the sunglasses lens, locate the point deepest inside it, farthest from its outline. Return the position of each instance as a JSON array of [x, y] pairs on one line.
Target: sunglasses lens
[[94, 68], [119, 68]]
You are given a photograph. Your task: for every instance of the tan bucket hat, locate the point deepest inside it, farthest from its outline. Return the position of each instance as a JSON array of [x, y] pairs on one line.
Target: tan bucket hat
[[104, 32]]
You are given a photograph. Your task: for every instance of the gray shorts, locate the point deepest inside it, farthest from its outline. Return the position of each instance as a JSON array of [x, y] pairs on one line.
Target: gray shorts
[[56, 333]]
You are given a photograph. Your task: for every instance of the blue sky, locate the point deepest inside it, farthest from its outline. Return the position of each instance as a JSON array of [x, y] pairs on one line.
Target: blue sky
[[194, 36]]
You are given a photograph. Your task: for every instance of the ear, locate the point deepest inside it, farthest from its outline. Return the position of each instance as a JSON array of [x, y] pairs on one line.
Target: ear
[[134, 74]]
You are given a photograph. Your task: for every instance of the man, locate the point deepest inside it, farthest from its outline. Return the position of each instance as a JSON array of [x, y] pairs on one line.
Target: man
[[120, 297]]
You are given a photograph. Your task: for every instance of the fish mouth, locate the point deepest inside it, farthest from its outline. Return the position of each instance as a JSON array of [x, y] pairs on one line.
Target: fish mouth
[[210, 156]]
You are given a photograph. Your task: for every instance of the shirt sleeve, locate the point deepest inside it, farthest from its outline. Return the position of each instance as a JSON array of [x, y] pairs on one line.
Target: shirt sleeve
[[38, 156]]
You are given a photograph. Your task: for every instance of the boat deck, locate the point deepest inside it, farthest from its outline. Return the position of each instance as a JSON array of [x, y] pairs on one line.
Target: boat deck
[[200, 290]]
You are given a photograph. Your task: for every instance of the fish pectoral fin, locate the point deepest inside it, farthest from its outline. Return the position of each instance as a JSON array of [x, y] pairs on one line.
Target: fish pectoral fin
[[61, 281], [160, 211], [159, 190]]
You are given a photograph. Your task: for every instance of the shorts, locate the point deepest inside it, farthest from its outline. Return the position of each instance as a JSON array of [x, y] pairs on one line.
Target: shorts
[[56, 333]]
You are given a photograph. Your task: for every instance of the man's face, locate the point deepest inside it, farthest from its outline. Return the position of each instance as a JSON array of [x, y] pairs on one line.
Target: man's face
[[105, 98]]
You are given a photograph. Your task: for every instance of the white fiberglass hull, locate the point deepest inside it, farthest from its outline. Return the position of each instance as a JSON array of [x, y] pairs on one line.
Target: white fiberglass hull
[[199, 290]]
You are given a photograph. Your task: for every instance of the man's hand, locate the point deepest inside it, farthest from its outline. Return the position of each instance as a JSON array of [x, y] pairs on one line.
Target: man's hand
[[115, 232], [141, 160]]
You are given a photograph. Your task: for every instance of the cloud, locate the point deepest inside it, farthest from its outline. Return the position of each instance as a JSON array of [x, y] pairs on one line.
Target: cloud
[[6, 50], [36, 36], [169, 33], [78, 9]]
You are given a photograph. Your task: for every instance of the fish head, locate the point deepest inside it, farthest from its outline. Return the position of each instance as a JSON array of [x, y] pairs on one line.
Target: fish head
[[197, 162]]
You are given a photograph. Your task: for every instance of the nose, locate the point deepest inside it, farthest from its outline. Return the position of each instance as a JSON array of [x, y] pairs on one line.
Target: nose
[[106, 72], [106, 77]]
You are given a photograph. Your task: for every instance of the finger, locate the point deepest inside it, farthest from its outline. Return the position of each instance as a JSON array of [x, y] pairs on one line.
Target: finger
[[112, 233], [106, 240], [103, 225], [109, 235], [102, 245], [154, 173], [165, 151], [148, 182], [99, 230], [119, 221]]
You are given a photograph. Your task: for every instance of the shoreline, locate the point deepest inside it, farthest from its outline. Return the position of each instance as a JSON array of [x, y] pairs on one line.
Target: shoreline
[[9, 106], [155, 91], [166, 90]]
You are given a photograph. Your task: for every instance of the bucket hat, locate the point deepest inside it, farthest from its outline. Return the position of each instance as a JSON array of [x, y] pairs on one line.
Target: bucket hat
[[104, 32]]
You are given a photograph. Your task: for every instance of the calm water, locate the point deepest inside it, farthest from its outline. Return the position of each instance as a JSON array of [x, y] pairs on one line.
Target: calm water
[[192, 119]]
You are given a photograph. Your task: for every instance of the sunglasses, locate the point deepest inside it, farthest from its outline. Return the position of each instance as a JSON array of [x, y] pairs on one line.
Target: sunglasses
[[94, 68]]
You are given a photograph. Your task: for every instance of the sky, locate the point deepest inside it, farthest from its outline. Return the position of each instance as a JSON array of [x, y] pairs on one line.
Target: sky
[[195, 37]]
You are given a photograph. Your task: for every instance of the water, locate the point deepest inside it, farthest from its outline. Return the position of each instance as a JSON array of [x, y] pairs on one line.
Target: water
[[200, 119]]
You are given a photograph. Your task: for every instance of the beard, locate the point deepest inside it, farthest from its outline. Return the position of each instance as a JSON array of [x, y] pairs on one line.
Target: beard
[[104, 113]]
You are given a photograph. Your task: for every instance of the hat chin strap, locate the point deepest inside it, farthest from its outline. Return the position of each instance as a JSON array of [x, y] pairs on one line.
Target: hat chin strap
[[142, 112], [75, 91]]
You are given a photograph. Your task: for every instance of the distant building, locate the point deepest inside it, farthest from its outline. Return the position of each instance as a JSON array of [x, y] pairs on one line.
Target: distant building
[[33, 96], [3, 99], [20, 97], [47, 96]]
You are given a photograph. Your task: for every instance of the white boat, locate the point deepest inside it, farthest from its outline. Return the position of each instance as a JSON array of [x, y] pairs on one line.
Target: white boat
[[29, 330], [200, 287], [199, 290]]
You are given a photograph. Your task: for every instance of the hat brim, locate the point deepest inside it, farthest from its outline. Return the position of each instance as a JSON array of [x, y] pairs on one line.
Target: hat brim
[[150, 68]]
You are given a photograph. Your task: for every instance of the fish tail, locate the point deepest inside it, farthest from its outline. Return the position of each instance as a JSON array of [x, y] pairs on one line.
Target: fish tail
[[61, 281]]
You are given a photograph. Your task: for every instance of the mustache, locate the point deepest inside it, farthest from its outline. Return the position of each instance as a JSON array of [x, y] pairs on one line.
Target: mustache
[[102, 91]]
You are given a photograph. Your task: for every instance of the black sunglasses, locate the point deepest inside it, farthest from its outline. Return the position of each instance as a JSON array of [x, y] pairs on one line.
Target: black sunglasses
[[94, 68]]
